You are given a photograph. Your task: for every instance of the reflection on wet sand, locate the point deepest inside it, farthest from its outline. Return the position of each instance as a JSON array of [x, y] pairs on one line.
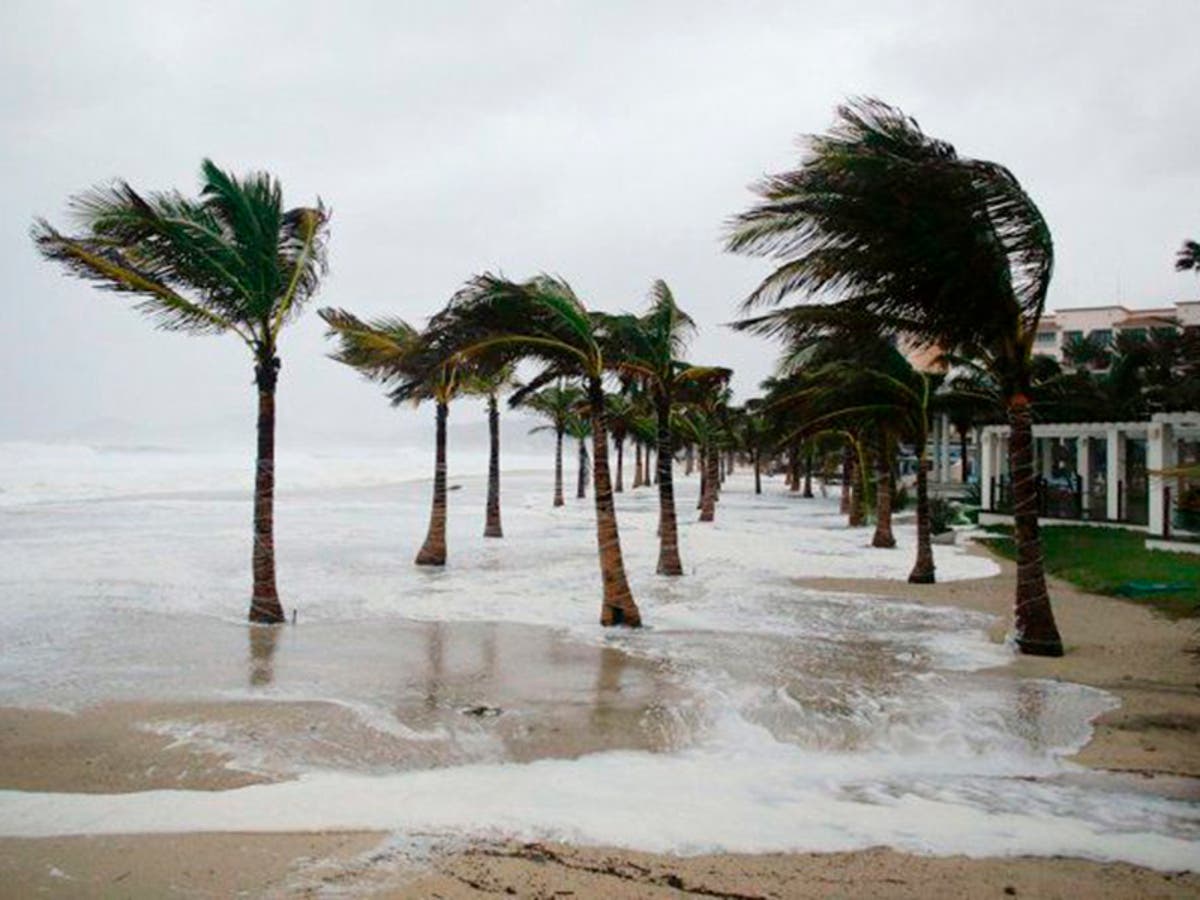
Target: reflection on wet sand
[[264, 640], [493, 691]]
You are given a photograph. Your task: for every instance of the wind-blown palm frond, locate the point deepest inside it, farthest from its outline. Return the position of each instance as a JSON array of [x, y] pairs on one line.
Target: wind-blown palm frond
[[234, 260], [1188, 258], [539, 319], [892, 224], [408, 362]]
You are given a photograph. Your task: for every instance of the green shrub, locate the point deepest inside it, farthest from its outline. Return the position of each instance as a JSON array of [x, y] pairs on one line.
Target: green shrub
[[941, 514]]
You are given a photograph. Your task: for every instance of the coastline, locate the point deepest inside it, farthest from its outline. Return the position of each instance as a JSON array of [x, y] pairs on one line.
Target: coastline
[[1147, 661]]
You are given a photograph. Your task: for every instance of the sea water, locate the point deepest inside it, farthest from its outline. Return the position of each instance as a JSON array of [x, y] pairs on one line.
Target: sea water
[[750, 715]]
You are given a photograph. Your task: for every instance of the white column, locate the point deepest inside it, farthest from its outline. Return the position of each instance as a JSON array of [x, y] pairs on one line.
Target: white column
[[1160, 454], [1083, 465], [976, 451], [1115, 471], [1046, 446], [987, 467]]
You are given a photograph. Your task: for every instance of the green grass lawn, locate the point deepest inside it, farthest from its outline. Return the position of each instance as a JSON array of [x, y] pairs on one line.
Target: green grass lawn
[[1102, 560]]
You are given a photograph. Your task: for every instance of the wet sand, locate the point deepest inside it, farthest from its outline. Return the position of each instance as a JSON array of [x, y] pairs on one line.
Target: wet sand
[[365, 865], [1148, 661]]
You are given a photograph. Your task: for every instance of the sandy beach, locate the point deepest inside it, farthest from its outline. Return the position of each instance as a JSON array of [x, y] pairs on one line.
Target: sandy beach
[[488, 701]]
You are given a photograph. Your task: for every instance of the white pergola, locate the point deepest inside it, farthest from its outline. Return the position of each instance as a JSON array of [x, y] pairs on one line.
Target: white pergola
[[1161, 434]]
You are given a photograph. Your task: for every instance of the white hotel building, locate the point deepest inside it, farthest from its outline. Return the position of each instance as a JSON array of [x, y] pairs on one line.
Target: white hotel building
[[1106, 322]]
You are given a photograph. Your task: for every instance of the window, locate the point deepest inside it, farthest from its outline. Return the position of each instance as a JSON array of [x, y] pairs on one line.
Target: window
[[1046, 337], [1069, 336], [1102, 336]]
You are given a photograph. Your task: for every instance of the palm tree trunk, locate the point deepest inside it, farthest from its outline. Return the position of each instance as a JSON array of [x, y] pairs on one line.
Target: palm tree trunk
[[858, 509], [433, 551], [558, 468], [619, 607], [638, 480], [620, 442], [847, 472], [264, 599], [668, 528], [703, 481], [492, 527], [708, 498], [793, 468], [923, 569], [581, 479], [757, 470], [689, 459], [883, 497], [808, 470], [1036, 631]]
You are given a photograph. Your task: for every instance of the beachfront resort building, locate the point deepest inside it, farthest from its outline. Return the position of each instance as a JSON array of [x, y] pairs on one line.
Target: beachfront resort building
[[1103, 323], [1130, 474]]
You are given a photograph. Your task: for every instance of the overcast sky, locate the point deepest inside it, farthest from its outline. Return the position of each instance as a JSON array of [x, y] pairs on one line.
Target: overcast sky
[[606, 142]]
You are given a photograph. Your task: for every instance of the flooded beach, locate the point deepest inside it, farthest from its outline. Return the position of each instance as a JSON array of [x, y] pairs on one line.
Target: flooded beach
[[752, 714]]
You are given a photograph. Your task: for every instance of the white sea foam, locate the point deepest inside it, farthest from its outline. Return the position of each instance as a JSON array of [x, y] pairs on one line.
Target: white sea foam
[[786, 718]]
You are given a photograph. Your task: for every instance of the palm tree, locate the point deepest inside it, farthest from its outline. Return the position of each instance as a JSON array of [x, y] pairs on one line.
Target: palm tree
[[847, 376], [543, 320], [895, 226], [490, 386], [754, 436], [703, 426], [1188, 258], [414, 368], [579, 427], [234, 260], [558, 404], [1087, 353], [648, 350], [622, 409]]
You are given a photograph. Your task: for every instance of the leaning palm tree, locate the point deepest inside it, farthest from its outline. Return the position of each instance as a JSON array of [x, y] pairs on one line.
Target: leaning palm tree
[[413, 368], [558, 404], [884, 221], [233, 260], [543, 320], [648, 350]]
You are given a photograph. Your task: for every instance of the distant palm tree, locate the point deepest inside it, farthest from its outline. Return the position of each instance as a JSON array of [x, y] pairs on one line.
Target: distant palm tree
[[891, 224], [753, 431], [543, 320], [621, 408], [579, 427], [413, 368], [1188, 258], [490, 386], [703, 425], [558, 404], [1088, 352], [233, 260]]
